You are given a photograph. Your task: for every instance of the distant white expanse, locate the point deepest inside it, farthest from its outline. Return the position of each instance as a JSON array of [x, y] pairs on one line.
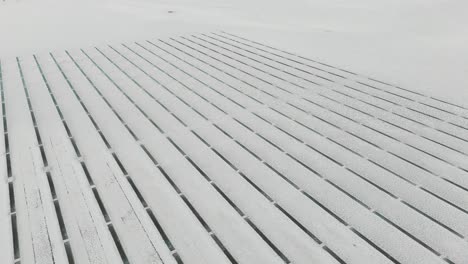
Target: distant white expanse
[[417, 44]]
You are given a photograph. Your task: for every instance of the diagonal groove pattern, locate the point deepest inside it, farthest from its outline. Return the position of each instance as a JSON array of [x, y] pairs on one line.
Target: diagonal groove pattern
[[213, 148]]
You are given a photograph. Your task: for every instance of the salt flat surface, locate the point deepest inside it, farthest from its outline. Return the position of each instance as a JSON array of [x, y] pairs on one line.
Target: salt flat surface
[[233, 131]]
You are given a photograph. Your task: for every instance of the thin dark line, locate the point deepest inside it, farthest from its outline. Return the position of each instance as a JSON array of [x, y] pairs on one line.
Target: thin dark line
[[394, 86], [227, 161], [329, 88], [220, 154], [192, 162], [176, 188], [45, 164], [11, 188], [335, 185], [114, 235], [303, 98], [299, 109]]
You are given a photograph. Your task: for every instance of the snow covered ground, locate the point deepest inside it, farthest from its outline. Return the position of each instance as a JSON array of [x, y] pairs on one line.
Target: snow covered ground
[[418, 44], [206, 132]]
